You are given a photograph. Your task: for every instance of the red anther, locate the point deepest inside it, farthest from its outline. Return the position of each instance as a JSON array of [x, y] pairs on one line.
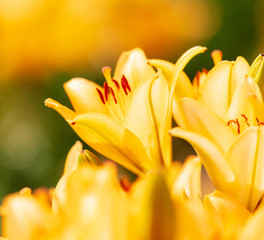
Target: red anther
[[235, 122], [198, 75], [106, 90], [112, 92], [259, 123], [205, 70], [231, 121], [244, 116], [246, 119], [123, 84], [101, 95], [126, 82], [116, 83], [197, 78], [125, 183], [73, 123], [238, 126]]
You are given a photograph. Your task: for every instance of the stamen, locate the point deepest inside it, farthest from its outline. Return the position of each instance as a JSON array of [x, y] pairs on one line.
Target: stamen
[[101, 95], [246, 119], [196, 80], [235, 122], [113, 94], [116, 83], [126, 82], [107, 73], [231, 121], [238, 126], [259, 123], [123, 84], [106, 90], [73, 123]]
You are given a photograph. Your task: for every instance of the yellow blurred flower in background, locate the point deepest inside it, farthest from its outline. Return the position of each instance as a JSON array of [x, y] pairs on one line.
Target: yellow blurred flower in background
[[40, 37], [90, 202]]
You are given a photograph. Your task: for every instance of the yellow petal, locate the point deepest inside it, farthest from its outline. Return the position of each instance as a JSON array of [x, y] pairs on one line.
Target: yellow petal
[[246, 157], [180, 65], [215, 90], [140, 120], [159, 105], [112, 140], [65, 112], [133, 65], [231, 214], [72, 163], [165, 66], [239, 70], [254, 227], [96, 206], [183, 87], [72, 158], [256, 68], [212, 158], [192, 116], [146, 118], [24, 217], [88, 157], [193, 221], [256, 72], [84, 96], [59, 195], [246, 94], [188, 182], [152, 209]]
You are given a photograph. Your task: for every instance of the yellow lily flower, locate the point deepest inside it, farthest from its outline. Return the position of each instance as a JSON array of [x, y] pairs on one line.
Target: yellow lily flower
[[129, 118], [229, 140]]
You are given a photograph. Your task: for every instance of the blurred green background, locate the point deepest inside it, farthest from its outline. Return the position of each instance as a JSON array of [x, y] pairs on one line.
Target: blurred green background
[[45, 43]]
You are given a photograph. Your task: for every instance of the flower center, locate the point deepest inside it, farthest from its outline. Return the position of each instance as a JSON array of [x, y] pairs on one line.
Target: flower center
[[108, 90], [115, 94]]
